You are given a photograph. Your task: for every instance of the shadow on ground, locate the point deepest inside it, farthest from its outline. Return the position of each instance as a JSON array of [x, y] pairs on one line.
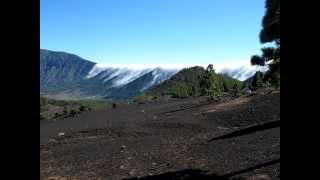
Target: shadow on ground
[[187, 174], [249, 130]]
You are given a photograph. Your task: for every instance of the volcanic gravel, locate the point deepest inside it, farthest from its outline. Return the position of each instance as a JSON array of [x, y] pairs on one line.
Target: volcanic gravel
[[175, 139]]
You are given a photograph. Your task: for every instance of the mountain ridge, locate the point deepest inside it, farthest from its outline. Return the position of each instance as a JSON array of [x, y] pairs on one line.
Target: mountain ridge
[[66, 75]]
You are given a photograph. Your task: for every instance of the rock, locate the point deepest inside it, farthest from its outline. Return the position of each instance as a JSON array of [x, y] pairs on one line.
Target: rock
[[53, 178], [153, 164], [123, 147], [132, 172], [61, 134], [122, 167], [52, 140]]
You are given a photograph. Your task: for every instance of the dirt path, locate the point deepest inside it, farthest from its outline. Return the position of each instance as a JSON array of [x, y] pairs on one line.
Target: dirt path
[[151, 140]]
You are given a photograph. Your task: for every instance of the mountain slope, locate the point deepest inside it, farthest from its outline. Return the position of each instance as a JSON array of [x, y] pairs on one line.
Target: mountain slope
[[187, 76], [61, 71], [187, 82], [141, 84], [65, 76]]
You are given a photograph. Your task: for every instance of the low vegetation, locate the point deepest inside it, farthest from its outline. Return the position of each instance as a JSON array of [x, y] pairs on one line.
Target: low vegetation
[[55, 109], [143, 98]]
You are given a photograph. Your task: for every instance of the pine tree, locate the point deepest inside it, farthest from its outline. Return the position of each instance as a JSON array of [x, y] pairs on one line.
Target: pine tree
[[194, 90], [210, 83], [236, 89], [258, 80], [270, 33]]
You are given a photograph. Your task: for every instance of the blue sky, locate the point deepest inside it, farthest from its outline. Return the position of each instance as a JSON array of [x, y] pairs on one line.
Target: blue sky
[[153, 31]]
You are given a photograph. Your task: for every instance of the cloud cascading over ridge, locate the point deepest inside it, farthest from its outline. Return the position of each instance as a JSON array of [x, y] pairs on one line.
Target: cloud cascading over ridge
[[126, 73]]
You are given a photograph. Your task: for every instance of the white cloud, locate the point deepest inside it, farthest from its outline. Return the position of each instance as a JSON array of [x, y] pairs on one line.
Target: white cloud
[[239, 69]]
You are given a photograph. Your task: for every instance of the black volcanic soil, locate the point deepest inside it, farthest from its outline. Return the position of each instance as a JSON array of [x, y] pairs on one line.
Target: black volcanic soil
[[177, 139]]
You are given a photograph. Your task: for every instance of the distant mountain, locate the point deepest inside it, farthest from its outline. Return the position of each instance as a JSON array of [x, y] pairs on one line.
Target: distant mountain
[[65, 76]]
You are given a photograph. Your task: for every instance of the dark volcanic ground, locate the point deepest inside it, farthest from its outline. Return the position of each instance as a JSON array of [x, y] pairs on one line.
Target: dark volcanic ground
[[167, 140]]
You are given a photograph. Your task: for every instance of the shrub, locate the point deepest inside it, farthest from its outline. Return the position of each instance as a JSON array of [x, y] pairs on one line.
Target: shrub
[[65, 111], [73, 112], [143, 98], [56, 115], [42, 117], [82, 108]]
